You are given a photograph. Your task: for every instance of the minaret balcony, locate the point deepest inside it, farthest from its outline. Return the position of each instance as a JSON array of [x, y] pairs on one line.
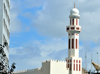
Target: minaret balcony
[[73, 29]]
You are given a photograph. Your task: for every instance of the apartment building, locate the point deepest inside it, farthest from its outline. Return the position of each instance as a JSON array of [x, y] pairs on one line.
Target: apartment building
[[5, 26]]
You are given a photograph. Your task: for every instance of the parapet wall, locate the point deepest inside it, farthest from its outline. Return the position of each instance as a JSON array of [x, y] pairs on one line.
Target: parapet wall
[[22, 71], [52, 61]]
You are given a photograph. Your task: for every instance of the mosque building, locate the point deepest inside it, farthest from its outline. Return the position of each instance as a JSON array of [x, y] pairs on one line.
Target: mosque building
[[73, 63]]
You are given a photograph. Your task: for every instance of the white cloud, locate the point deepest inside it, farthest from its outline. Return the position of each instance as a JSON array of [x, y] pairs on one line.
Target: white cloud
[[34, 52], [50, 20], [44, 48], [16, 51], [54, 17], [55, 45], [15, 23]]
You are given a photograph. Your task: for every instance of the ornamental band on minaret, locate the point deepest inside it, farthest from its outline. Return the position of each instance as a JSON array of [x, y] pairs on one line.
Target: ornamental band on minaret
[[73, 62]]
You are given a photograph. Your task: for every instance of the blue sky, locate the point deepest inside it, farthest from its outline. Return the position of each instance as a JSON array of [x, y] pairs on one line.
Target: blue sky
[[38, 31]]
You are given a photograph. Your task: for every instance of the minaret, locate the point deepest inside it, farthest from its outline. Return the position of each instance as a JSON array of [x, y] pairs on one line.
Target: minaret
[[73, 62]]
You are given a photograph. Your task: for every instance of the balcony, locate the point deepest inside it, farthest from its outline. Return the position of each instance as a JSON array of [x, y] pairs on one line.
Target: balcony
[[73, 29]]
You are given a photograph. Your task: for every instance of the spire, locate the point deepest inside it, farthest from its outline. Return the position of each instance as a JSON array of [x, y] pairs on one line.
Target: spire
[[74, 4]]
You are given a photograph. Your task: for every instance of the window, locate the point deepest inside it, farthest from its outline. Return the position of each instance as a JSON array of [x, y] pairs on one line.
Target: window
[[70, 60], [70, 66], [79, 61], [68, 28], [6, 29], [69, 43], [72, 43], [72, 28], [77, 28], [73, 22], [6, 13], [8, 4], [76, 61], [76, 43], [76, 21], [70, 21], [4, 40], [79, 67], [74, 67], [66, 66]]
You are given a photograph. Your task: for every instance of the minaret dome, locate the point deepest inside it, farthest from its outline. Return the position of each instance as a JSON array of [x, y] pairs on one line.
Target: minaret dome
[[74, 11]]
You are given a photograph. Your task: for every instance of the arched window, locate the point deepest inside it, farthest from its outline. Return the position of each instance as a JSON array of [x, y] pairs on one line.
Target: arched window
[[77, 28], [79, 67], [66, 65], [72, 28], [76, 43], [79, 61], [68, 61], [70, 66], [69, 43], [74, 67], [74, 61], [76, 21], [72, 21], [72, 43]]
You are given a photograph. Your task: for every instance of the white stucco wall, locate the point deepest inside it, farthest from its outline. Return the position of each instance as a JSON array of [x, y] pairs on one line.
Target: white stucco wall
[[58, 67], [48, 67]]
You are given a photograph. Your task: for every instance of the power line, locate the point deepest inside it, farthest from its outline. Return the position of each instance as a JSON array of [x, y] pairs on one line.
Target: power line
[[59, 19]]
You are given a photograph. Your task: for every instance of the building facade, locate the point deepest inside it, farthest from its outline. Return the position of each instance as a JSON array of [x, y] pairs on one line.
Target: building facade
[[74, 62], [5, 26]]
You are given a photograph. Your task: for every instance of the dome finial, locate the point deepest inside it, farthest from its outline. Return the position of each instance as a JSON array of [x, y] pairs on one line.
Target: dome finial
[[74, 4]]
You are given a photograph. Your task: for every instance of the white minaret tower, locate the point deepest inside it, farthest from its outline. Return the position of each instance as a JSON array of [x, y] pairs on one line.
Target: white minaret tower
[[73, 62]]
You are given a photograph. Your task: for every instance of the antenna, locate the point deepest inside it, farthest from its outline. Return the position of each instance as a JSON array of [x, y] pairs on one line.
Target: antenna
[[74, 4], [97, 58], [91, 62], [86, 60]]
